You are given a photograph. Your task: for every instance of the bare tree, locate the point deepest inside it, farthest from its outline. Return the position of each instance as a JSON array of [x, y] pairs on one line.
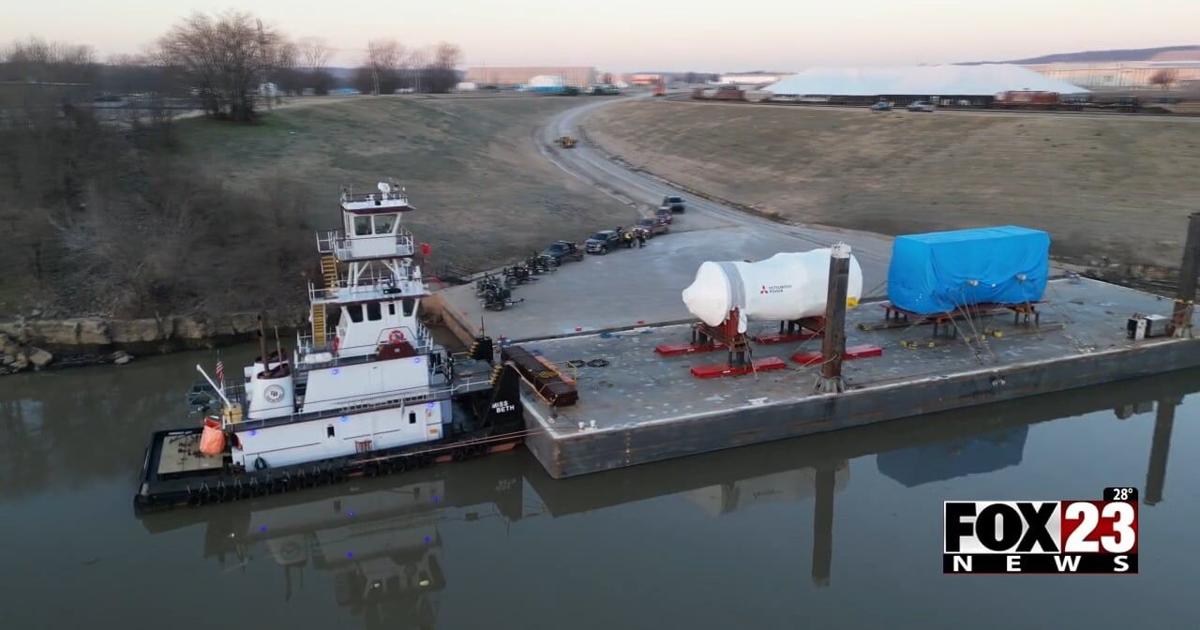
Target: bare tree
[[383, 61], [1164, 77], [416, 63], [224, 57], [442, 74], [314, 57], [37, 60], [314, 53], [285, 71]]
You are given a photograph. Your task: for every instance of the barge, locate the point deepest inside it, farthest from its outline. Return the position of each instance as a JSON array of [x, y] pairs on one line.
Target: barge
[[649, 393], [366, 391]]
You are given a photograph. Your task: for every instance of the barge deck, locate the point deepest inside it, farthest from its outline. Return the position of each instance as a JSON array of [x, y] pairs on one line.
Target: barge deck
[[636, 406]]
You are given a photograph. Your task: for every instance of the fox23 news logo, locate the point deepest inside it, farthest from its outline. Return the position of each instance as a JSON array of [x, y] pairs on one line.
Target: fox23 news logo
[[1043, 536]]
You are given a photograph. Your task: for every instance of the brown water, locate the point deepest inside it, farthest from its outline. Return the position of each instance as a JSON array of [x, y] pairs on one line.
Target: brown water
[[837, 530]]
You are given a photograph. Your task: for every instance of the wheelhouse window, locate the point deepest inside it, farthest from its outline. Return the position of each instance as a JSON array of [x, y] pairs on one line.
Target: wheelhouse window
[[391, 308], [355, 312], [409, 305], [373, 312], [362, 226], [384, 223]]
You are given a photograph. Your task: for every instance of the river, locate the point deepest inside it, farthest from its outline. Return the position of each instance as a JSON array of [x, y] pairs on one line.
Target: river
[[835, 530]]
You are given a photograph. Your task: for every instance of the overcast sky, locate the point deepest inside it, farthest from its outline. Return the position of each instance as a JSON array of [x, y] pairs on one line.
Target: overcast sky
[[623, 35]]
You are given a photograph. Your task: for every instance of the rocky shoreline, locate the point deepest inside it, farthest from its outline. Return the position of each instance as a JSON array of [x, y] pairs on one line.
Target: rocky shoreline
[[38, 344]]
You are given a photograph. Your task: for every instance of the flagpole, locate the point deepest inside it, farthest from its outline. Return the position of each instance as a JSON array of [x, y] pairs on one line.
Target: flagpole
[[221, 374], [210, 382]]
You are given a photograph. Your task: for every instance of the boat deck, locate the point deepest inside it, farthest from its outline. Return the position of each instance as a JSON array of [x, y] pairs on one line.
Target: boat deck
[[640, 397], [181, 453]]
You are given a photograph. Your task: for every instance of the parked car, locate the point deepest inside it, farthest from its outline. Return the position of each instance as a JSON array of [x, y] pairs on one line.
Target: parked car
[[882, 106], [921, 106], [563, 251], [652, 227], [664, 215], [603, 241], [672, 203]]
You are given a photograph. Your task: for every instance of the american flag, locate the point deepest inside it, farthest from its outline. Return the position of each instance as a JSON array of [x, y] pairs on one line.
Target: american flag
[[220, 372]]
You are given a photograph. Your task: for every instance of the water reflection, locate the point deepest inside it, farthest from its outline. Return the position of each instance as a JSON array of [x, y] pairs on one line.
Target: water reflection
[[1160, 447], [940, 461], [62, 429], [383, 541]]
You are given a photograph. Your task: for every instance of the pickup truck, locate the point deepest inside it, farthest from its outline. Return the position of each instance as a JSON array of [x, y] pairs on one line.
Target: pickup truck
[[562, 251], [652, 227], [672, 203], [602, 242], [921, 106]]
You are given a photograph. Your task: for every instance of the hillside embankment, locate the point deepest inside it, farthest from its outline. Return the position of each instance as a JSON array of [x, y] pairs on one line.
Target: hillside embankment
[[1113, 191]]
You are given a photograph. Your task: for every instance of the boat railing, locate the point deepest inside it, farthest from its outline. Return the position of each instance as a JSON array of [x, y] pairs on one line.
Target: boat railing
[[392, 197], [420, 341], [382, 400], [369, 287], [334, 242]]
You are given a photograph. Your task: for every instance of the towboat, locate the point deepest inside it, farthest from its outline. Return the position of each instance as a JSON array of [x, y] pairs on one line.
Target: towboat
[[366, 390]]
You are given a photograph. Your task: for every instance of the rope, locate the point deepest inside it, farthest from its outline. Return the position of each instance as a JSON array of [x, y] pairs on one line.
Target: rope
[[966, 308]]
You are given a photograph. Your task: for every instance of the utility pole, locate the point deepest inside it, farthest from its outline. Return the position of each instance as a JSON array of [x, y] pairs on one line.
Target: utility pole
[[833, 341], [1185, 298]]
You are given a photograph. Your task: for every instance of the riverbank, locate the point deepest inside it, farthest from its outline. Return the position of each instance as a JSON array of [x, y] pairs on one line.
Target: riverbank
[[38, 344]]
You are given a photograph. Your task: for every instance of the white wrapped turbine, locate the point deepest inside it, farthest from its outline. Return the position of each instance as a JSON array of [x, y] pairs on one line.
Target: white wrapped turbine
[[782, 287]]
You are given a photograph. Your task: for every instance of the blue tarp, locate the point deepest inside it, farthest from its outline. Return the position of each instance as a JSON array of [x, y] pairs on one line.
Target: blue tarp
[[939, 272]]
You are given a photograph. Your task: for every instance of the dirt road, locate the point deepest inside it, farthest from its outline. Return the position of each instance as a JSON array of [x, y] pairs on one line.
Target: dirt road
[[645, 191]]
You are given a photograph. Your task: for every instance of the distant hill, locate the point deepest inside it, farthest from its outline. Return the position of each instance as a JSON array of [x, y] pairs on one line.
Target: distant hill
[[1099, 56]]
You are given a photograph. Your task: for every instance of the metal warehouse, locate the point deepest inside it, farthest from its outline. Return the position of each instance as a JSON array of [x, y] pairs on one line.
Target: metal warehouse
[[509, 76], [974, 84]]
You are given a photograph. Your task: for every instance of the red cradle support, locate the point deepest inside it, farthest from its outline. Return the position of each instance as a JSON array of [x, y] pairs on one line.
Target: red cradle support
[[852, 352], [758, 365], [679, 349], [766, 340]]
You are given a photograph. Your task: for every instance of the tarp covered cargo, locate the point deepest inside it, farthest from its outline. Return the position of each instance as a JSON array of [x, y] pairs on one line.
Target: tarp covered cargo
[[939, 272]]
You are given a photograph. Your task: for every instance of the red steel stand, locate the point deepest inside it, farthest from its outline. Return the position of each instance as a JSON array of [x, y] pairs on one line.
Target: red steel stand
[[852, 352], [796, 330]]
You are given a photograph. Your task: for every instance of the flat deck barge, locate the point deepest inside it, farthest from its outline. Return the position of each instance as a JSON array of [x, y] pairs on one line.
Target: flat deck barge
[[637, 406]]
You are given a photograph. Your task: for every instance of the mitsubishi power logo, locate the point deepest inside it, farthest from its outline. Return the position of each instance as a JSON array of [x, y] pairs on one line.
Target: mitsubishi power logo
[[775, 288]]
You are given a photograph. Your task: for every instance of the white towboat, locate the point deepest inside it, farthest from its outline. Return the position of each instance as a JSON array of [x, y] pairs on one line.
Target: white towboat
[[365, 390]]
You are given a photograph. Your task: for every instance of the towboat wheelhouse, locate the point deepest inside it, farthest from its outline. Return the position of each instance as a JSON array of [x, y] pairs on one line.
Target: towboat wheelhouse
[[372, 380]]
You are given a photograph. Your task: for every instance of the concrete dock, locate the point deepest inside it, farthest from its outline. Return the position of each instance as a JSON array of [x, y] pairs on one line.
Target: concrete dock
[[640, 407], [626, 287]]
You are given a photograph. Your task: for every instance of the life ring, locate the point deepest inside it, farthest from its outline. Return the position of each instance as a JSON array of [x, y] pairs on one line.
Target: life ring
[[337, 344], [260, 463], [396, 337]]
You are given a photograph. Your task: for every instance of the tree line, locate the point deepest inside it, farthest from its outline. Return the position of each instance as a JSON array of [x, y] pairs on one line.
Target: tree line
[[230, 63]]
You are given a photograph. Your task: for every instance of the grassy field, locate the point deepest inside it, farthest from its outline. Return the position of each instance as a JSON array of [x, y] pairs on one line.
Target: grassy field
[[483, 193], [1115, 187]]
